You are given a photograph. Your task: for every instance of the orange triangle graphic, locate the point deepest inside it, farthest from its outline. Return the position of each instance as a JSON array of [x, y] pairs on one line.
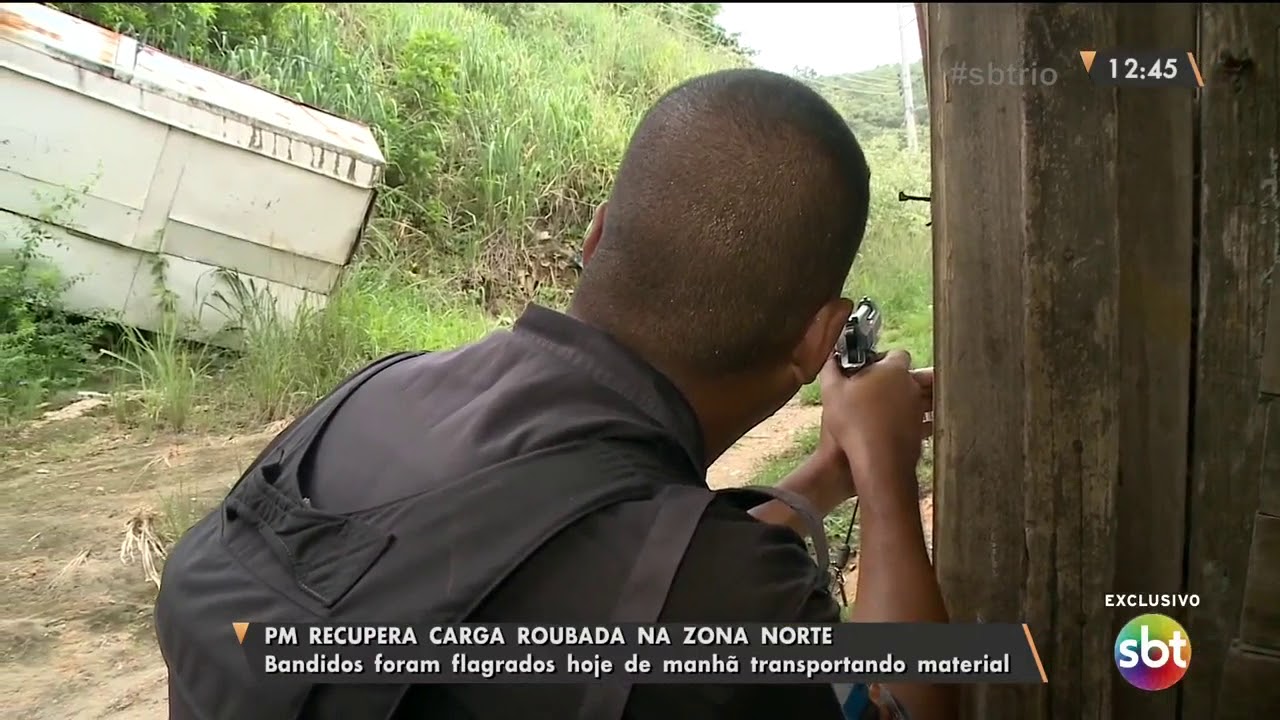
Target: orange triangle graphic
[[1087, 56], [241, 628]]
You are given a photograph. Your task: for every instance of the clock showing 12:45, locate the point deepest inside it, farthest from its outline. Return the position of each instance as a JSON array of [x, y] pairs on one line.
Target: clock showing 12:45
[[1122, 68]]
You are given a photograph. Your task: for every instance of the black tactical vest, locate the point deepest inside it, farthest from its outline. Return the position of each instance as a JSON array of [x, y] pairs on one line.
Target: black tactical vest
[[265, 556]]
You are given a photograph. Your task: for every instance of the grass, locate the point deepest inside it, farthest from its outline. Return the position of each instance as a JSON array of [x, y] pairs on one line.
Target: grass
[[159, 378], [380, 308], [500, 139]]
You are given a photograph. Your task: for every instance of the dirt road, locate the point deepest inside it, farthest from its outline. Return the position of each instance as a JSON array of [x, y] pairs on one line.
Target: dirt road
[[75, 634]]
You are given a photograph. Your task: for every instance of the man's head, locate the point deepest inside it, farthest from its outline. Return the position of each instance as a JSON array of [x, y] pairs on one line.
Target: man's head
[[734, 219]]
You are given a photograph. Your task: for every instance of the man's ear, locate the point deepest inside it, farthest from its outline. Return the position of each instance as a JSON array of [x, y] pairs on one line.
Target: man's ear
[[819, 339], [593, 234]]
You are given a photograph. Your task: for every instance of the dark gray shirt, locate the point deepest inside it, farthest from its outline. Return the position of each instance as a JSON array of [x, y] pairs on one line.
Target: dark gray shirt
[[550, 381]]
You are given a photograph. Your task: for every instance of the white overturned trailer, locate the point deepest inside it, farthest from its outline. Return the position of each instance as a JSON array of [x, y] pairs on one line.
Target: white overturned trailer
[[157, 159]]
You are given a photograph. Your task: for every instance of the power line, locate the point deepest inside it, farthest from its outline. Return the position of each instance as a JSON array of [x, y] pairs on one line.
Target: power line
[[849, 86]]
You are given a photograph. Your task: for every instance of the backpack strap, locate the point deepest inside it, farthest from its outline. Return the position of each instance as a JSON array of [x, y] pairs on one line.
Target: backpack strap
[[645, 592], [680, 508]]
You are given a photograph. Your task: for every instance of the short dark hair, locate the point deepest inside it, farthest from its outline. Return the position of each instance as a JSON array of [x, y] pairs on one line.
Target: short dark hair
[[736, 213]]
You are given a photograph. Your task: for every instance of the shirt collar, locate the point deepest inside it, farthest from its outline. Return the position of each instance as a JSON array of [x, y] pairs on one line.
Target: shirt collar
[[619, 368]]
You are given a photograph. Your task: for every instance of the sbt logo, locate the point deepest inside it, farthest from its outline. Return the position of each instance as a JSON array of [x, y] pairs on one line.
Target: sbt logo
[[1153, 652]]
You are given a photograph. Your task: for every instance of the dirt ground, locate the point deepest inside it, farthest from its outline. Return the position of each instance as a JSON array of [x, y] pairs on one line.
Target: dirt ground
[[75, 632]]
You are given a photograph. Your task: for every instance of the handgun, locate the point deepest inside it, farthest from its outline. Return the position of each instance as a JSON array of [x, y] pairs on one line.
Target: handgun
[[856, 346], [855, 350]]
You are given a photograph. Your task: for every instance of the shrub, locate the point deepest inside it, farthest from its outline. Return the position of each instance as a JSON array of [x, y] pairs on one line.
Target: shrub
[[43, 348]]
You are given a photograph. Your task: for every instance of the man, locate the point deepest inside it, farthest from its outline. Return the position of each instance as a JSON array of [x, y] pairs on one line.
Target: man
[[710, 295]]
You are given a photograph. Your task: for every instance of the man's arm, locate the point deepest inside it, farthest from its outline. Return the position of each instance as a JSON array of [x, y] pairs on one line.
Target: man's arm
[[853, 702], [896, 582], [819, 479]]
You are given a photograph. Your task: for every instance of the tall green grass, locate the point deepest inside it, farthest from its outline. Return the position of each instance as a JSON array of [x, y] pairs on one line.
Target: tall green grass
[[499, 121], [380, 309], [502, 124]]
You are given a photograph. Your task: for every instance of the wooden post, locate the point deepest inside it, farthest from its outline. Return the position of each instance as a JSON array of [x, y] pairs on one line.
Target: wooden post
[[981, 543], [1155, 189], [1234, 487], [1063, 271]]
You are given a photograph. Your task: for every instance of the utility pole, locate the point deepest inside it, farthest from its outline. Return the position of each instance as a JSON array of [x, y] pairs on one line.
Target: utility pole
[[908, 100]]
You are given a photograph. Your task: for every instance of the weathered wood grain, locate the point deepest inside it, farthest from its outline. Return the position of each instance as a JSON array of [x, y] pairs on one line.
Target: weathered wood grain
[[1071, 326], [978, 307], [1269, 480], [1155, 190], [1250, 684], [1070, 269], [922, 30], [1090, 276], [1240, 140], [1269, 373], [1260, 611]]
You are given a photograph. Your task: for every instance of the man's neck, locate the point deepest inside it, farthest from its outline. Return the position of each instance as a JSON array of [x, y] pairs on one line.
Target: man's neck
[[727, 412], [727, 406]]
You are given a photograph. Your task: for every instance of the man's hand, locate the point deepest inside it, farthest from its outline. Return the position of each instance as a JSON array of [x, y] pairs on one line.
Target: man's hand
[[876, 418], [872, 427], [825, 478]]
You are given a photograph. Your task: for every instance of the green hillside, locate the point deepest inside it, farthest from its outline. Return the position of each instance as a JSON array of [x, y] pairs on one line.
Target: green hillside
[[502, 125], [872, 100]]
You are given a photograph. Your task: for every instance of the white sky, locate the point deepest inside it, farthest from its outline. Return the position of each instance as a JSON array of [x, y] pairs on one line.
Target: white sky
[[828, 37]]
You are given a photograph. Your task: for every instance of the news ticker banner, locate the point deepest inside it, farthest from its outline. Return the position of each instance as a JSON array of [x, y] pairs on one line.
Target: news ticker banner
[[641, 654]]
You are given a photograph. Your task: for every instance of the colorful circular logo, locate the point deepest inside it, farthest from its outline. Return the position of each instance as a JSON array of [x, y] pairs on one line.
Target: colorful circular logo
[[1153, 652]]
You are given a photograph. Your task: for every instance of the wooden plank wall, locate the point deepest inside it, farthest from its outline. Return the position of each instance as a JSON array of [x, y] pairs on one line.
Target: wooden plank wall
[[1234, 558], [1071, 270], [1072, 328], [1027, 345]]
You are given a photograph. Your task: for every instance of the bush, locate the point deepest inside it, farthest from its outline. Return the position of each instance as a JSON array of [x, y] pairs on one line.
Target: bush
[[423, 89], [43, 349]]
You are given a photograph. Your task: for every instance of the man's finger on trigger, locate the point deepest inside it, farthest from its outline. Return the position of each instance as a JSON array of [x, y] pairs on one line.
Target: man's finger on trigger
[[901, 358], [924, 376], [830, 370]]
